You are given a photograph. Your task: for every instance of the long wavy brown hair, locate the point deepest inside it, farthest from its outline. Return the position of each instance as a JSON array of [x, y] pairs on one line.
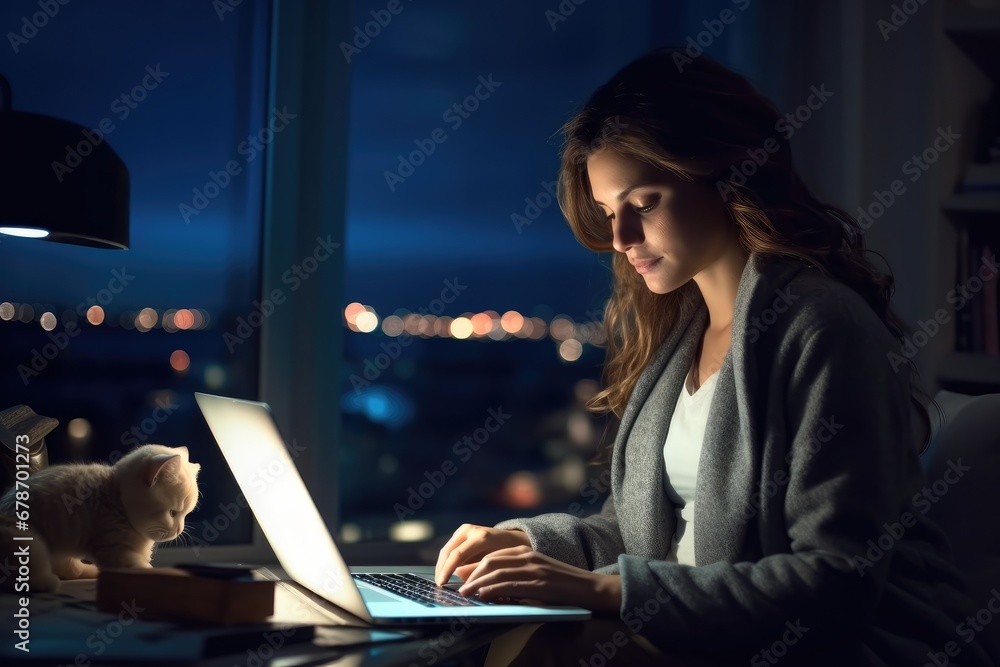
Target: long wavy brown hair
[[698, 119]]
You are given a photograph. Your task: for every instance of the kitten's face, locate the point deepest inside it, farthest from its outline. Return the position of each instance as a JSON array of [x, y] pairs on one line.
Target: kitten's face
[[162, 491]]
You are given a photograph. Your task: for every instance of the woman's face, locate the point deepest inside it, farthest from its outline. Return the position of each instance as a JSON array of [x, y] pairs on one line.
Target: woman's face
[[668, 228]]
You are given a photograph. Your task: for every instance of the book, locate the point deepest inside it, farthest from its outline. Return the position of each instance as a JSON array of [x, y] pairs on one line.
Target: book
[[975, 304], [981, 177], [991, 324], [963, 316], [168, 593]]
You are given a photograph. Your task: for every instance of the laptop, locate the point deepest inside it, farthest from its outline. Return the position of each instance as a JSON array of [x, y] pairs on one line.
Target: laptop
[[252, 446]]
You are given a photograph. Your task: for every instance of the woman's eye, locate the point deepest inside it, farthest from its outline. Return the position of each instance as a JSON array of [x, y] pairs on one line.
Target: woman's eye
[[644, 209]]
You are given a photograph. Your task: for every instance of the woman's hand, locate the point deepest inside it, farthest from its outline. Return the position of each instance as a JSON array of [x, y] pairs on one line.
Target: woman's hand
[[522, 573], [470, 543]]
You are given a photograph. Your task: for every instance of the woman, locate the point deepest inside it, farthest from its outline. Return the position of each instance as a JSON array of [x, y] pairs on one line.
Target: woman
[[751, 347]]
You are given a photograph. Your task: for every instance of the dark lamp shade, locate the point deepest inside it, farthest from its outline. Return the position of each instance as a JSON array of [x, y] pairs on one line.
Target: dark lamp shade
[[61, 178]]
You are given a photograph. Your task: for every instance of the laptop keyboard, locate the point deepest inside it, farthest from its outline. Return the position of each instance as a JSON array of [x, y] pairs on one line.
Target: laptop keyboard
[[419, 590]]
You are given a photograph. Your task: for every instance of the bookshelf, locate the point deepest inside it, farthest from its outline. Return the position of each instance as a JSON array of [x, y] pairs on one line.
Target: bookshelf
[[971, 364]]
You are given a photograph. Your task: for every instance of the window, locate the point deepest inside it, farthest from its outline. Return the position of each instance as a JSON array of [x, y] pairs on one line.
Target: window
[[182, 88], [471, 307]]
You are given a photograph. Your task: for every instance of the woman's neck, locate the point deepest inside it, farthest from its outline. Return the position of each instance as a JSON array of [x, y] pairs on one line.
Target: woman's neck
[[719, 283]]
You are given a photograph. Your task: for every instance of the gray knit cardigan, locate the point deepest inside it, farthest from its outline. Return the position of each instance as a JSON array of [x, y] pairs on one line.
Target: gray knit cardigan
[[810, 459]]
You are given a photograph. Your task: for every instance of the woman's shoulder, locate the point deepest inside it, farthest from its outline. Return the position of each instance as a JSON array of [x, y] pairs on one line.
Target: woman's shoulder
[[796, 300]]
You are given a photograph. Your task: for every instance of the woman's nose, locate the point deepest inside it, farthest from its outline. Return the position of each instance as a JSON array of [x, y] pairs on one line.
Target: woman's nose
[[627, 232]]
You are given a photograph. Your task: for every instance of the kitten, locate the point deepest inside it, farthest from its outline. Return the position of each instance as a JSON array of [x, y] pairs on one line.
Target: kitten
[[109, 515]]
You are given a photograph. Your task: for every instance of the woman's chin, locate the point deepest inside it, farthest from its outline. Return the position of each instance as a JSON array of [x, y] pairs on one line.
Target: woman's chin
[[660, 284]]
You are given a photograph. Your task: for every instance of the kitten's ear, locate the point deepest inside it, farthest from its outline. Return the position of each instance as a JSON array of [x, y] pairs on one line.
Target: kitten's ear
[[160, 464], [185, 450]]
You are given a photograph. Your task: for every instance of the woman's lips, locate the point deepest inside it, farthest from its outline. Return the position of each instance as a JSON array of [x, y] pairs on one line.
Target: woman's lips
[[647, 265]]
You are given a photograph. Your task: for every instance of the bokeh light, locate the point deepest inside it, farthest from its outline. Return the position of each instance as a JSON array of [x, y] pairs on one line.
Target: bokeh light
[[183, 319], [180, 361], [366, 321], [215, 376], [392, 325], [538, 329], [561, 328], [461, 327], [482, 324], [522, 490], [442, 326], [79, 430], [411, 531], [570, 350], [48, 320], [512, 321], [147, 319]]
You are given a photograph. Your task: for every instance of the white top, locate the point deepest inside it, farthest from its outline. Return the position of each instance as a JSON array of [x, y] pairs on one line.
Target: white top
[[681, 451]]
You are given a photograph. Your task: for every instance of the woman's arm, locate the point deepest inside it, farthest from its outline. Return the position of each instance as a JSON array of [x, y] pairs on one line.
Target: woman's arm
[[590, 543], [562, 537]]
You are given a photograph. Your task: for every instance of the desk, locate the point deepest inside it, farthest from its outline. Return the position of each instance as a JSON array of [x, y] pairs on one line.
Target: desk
[[339, 640]]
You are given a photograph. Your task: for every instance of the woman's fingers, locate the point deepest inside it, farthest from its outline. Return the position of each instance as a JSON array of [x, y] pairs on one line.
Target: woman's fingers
[[470, 543], [512, 582], [466, 545], [463, 571], [504, 560], [457, 538]]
